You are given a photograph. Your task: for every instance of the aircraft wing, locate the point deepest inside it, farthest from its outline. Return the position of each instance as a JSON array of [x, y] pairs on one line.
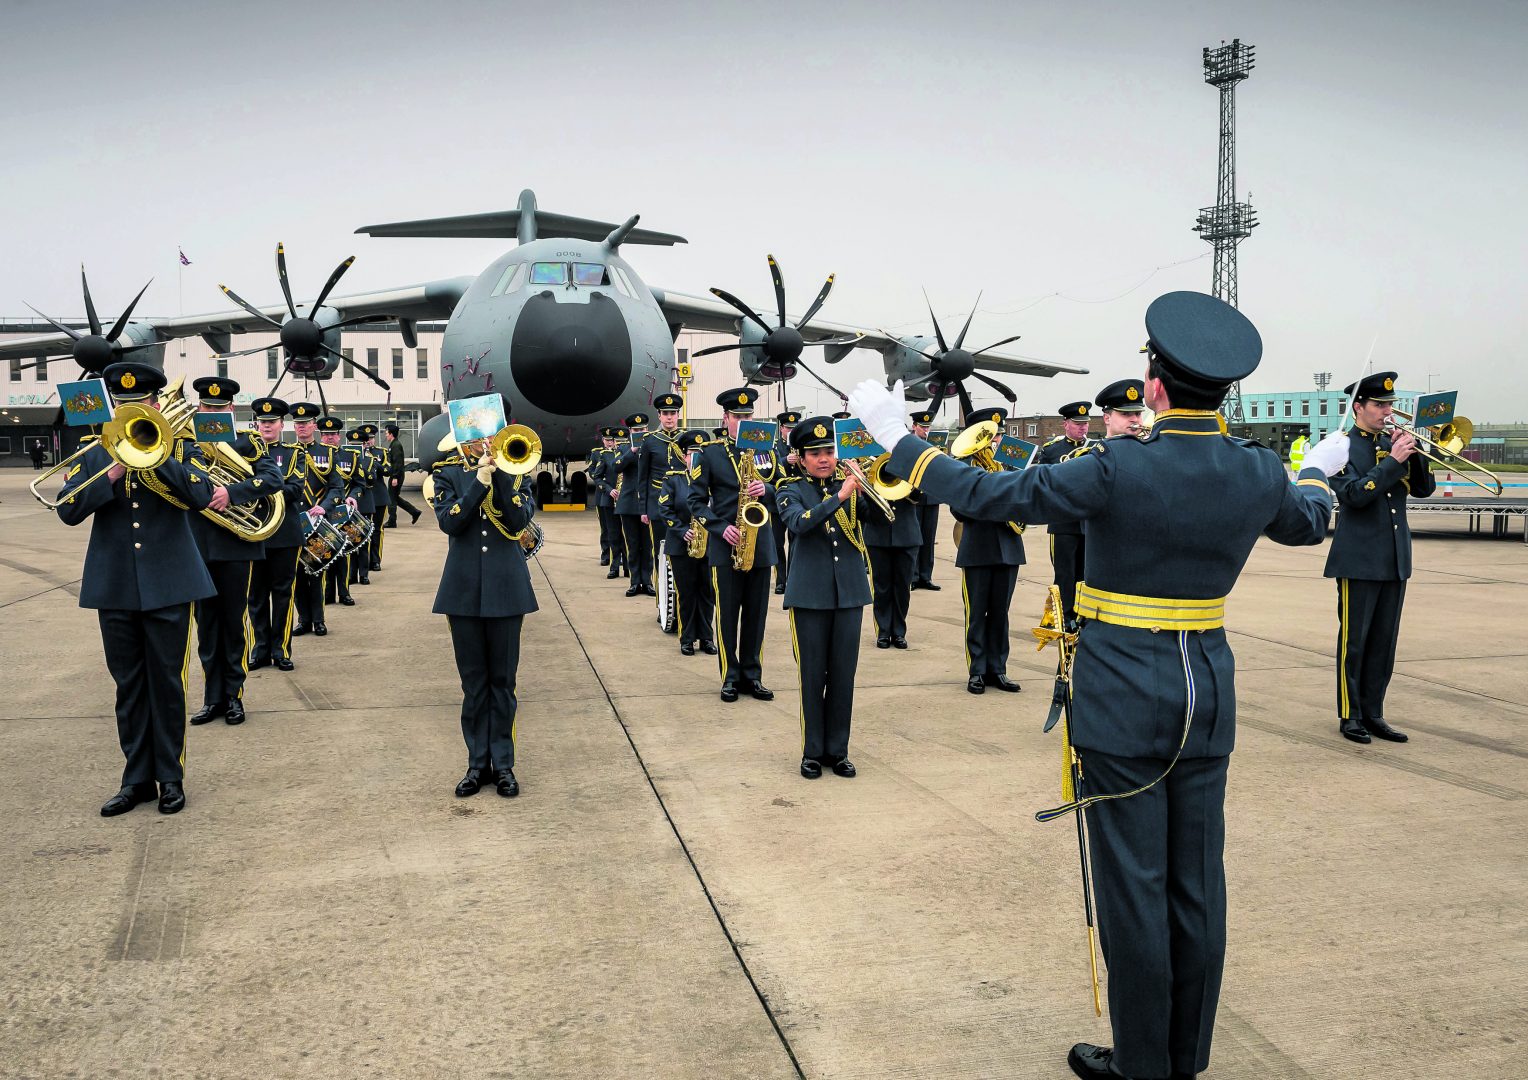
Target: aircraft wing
[[703, 313], [430, 300]]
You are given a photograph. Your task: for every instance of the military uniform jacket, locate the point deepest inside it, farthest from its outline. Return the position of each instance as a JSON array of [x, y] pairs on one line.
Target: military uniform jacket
[[987, 543], [905, 532], [292, 467], [1052, 452], [353, 465], [599, 465], [713, 501], [787, 470], [1373, 539], [674, 512], [828, 565], [655, 458], [216, 543], [381, 498], [1172, 516], [627, 467], [485, 574], [142, 555], [323, 485]]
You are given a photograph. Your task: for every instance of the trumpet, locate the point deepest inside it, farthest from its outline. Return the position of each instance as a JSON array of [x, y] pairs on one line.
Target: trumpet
[[877, 485], [974, 445], [1442, 445]]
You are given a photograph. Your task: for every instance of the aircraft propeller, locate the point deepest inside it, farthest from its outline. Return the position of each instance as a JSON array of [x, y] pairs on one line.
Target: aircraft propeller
[[953, 364], [95, 350], [782, 344], [302, 336]]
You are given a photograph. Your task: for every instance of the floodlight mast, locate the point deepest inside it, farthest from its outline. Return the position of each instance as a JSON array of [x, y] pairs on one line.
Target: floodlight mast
[[1229, 222]]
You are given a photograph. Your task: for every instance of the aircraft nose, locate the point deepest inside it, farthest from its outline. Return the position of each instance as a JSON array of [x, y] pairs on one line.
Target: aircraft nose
[[571, 359]]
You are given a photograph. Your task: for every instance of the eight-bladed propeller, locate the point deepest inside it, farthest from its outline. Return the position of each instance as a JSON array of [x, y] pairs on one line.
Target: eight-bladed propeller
[[953, 365], [95, 350], [782, 344], [302, 336]]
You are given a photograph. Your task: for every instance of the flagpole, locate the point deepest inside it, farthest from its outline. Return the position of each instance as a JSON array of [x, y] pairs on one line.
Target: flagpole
[[180, 277]]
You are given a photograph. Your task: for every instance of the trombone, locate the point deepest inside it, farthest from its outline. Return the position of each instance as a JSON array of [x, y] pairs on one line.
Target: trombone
[[136, 437], [974, 445], [1442, 445], [877, 484]]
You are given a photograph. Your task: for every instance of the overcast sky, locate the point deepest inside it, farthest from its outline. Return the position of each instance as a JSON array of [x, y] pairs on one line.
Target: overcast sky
[[1051, 156]]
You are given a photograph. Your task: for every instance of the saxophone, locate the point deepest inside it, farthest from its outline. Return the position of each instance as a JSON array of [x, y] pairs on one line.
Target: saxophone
[[751, 515], [695, 546]]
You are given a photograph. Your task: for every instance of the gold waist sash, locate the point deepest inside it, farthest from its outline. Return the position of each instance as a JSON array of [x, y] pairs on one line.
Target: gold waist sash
[[1149, 612]]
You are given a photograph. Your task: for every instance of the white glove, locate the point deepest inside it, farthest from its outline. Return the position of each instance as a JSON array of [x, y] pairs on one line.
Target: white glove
[[1330, 455], [882, 411]]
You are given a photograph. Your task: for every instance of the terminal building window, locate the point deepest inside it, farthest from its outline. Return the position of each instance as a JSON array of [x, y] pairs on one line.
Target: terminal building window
[[348, 354], [1323, 407], [422, 362], [1289, 408], [222, 367], [270, 363], [1304, 408], [1254, 410], [371, 360], [549, 273], [16, 370], [397, 363], [41, 369]]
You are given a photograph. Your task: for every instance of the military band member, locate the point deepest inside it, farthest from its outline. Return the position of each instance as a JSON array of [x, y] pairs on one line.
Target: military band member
[[989, 556], [1370, 555], [322, 491], [631, 506], [397, 468], [892, 548], [485, 593], [789, 466], [350, 467], [826, 597], [225, 632], [928, 515], [695, 600], [381, 500], [1122, 404], [602, 472], [742, 597], [143, 574], [1153, 713], [1066, 540], [656, 455], [271, 602]]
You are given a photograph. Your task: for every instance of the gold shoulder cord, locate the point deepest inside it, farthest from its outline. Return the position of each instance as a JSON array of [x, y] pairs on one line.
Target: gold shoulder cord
[[848, 520], [491, 512], [151, 480]]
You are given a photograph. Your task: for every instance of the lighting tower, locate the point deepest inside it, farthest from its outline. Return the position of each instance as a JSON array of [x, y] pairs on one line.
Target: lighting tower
[[1323, 380], [1228, 222]]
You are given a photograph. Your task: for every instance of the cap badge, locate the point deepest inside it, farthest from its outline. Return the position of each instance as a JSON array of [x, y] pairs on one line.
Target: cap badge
[[1389, 384], [214, 390], [1132, 393], [820, 431], [1081, 409], [997, 418], [266, 407], [128, 381], [742, 399]]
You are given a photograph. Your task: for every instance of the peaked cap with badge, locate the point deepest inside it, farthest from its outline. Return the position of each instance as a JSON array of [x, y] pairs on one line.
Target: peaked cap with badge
[[668, 402], [637, 419], [305, 412], [813, 433], [1074, 410], [215, 390], [1202, 340], [1126, 395], [1377, 387], [788, 418], [329, 424], [924, 418], [739, 400], [129, 380], [268, 408], [692, 439]]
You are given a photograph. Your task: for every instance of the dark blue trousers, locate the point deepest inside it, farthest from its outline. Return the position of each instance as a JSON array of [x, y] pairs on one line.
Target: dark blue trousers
[[488, 660], [147, 653]]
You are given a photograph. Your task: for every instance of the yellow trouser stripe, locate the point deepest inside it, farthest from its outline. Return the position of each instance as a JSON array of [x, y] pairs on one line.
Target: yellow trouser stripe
[[185, 671], [800, 684], [1342, 650], [1149, 612], [721, 654], [965, 598]]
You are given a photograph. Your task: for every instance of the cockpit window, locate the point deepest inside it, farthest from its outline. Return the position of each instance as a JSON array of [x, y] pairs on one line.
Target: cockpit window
[[549, 273], [511, 280], [590, 274]]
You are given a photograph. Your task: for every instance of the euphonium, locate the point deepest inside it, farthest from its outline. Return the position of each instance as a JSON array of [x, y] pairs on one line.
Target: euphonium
[[751, 514], [974, 444], [877, 486], [222, 465]]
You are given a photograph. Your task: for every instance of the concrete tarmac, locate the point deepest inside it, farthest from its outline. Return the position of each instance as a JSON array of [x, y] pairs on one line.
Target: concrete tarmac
[[668, 898]]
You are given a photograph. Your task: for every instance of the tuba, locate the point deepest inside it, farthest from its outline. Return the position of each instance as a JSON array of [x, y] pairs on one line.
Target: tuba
[[222, 465], [751, 515]]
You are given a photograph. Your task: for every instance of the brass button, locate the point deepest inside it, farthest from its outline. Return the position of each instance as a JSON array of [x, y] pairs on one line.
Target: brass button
[[485, 548], [135, 506], [835, 558], [137, 545], [135, 525], [1156, 629]]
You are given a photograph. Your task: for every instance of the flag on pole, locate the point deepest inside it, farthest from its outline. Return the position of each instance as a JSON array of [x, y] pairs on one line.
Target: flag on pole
[[183, 260]]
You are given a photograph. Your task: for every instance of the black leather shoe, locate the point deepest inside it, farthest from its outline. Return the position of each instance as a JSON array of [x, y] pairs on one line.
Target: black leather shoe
[[899, 643], [235, 712], [810, 769], [319, 629], [257, 664], [208, 713], [779, 590], [1353, 728], [649, 590], [470, 784], [1089, 1061], [604, 560], [709, 648], [391, 525], [845, 768], [414, 516], [348, 601], [284, 664], [762, 692], [507, 786], [686, 649], [172, 797], [635, 590], [1002, 682], [363, 581], [930, 586], [729, 693], [129, 797], [883, 643], [375, 566], [300, 629], [615, 572], [1381, 730], [976, 684]]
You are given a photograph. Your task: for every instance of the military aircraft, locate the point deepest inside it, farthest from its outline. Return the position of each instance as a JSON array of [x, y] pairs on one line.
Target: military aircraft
[[561, 325]]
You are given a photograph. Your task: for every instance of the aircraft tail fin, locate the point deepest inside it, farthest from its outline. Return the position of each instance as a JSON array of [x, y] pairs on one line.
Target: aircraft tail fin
[[526, 223]]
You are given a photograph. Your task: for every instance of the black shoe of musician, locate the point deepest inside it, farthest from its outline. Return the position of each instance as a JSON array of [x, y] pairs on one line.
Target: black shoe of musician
[[391, 525], [470, 784], [1002, 682], [883, 643], [284, 664], [259, 662], [604, 560], [930, 586], [208, 713], [729, 692], [349, 601], [414, 517], [129, 797], [899, 643], [780, 589], [1089, 1061], [649, 590], [635, 590], [1353, 728], [508, 787], [976, 684], [709, 648], [363, 580], [810, 768], [1381, 730], [376, 566], [687, 649], [845, 768], [172, 797], [319, 629], [615, 572], [300, 629], [235, 713], [762, 692]]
